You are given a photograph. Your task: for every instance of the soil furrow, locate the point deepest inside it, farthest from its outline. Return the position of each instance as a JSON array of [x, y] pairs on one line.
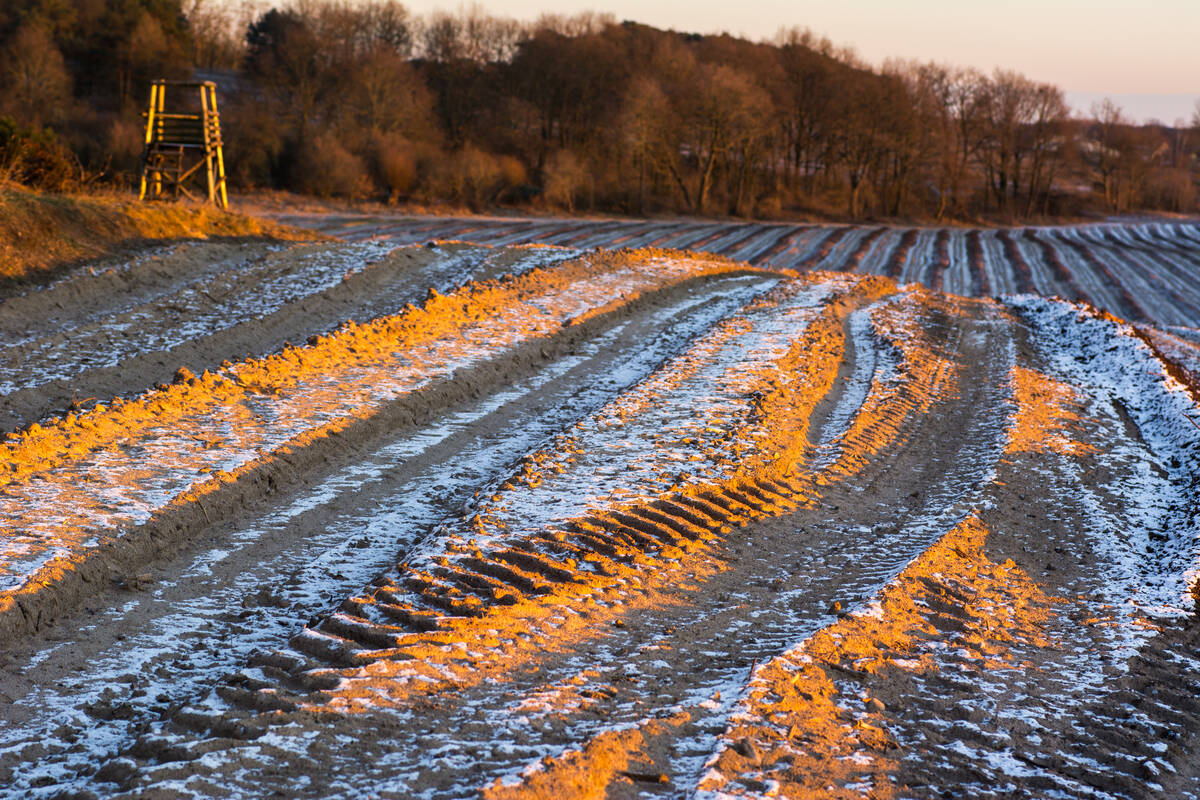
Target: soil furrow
[[289, 564], [568, 618], [147, 345], [956, 261], [639, 523], [281, 410]]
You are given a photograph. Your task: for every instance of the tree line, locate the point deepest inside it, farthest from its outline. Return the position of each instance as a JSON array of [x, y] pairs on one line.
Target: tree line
[[367, 100]]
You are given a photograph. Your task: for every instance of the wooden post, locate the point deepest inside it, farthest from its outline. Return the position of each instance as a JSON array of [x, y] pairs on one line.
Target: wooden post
[[208, 159], [162, 100], [223, 202], [149, 135]]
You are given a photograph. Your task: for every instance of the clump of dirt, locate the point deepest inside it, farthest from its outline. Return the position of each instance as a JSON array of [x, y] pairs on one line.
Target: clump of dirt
[[44, 235], [612, 757]]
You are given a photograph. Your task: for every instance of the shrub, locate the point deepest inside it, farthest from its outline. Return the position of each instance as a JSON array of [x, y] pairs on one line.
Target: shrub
[[469, 176], [564, 176], [321, 166], [254, 152], [395, 160], [36, 158], [480, 175], [513, 174], [126, 140]]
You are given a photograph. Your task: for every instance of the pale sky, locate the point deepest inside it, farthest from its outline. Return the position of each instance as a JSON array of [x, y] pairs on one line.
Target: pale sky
[[1144, 54]]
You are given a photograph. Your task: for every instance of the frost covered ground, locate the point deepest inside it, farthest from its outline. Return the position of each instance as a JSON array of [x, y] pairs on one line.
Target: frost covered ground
[[555, 522]]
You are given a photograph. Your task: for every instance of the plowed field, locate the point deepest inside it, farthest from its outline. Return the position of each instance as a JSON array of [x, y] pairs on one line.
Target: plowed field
[[1141, 272], [764, 516]]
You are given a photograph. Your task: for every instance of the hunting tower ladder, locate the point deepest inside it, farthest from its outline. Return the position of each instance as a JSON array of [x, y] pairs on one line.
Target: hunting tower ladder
[[181, 143]]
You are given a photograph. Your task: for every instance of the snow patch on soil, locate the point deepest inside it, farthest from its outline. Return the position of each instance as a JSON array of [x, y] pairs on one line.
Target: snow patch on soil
[[1157, 551]]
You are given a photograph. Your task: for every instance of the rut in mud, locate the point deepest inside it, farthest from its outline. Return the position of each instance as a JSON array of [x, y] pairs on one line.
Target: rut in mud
[[545, 522]]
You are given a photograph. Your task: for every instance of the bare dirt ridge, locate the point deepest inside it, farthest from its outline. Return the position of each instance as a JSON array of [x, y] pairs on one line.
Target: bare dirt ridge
[[463, 520]]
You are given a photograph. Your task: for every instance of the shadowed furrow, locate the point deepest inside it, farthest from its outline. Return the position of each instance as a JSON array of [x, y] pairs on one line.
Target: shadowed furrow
[[894, 267], [1023, 275]]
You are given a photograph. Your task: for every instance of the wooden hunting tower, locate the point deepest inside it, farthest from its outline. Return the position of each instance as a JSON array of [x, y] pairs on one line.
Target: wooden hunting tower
[[182, 142]]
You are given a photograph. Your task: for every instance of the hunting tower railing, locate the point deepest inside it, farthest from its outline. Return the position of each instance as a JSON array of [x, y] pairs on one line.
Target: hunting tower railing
[[181, 143]]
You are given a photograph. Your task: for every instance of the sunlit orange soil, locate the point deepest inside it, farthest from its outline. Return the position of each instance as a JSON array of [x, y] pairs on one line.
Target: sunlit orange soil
[[927, 374], [797, 732], [586, 774], [1046, 414], [802, 736], [606, 578], [499, 594], [68, 484]]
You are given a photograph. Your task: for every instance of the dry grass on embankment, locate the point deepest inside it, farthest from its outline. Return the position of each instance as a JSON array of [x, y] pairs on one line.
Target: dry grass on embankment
[[44, 235]]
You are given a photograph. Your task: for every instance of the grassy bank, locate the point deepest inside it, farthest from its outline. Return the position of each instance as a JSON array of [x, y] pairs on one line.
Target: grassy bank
[[43, 235]]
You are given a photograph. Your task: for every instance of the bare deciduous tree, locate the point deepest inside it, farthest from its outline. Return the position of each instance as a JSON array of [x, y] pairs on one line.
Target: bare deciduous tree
[[35, 86]]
